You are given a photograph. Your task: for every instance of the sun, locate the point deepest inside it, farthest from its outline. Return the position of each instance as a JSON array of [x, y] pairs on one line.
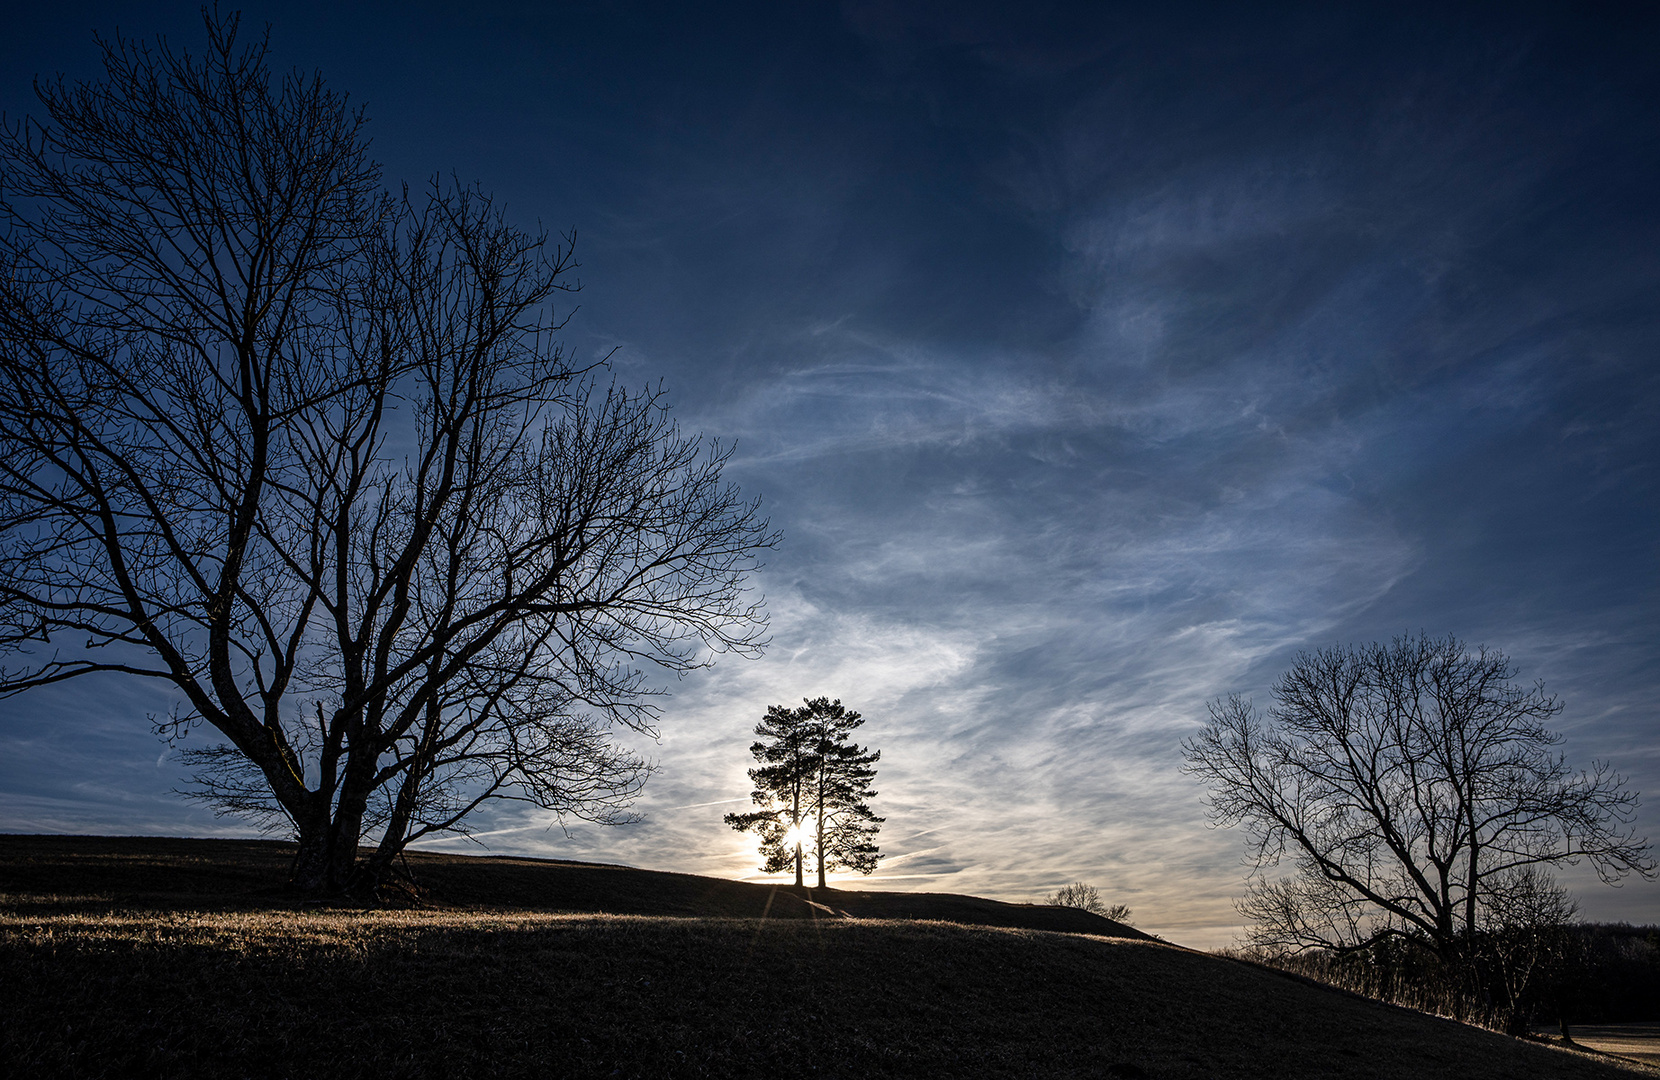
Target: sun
[[799, 833]]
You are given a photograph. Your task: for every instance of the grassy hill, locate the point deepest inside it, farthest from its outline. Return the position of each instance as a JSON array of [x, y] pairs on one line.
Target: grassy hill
[[92, 873], [143, 957]]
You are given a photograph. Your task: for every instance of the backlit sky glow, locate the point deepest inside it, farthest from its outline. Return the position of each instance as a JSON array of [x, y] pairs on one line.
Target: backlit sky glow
[[1091, 363]]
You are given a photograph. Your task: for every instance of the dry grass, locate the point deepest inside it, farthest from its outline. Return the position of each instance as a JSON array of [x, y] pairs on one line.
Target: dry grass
[[95, 873], [230, 990], [1640, 1042]]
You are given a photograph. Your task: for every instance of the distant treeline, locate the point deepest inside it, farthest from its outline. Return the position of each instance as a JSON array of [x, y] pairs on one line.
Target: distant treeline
[[1621, 978], [1588, 973]]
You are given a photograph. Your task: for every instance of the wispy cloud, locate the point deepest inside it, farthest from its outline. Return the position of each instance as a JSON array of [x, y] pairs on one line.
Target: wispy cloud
[[1091, 368]]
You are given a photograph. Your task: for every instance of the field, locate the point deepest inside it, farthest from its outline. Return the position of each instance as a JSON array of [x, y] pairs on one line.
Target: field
[[185, 958]]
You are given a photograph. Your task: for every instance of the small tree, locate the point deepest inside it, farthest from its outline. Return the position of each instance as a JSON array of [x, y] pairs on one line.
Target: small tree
[[813, 781], [1414, 786], [1529, 944], [1082, 895]]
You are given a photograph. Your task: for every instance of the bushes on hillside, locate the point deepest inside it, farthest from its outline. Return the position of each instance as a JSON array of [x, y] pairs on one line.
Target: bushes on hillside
[[1083, 895]]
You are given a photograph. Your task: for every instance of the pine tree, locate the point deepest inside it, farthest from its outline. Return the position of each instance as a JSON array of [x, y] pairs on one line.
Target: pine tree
[[841, 791], [780, 787], [810, 770]]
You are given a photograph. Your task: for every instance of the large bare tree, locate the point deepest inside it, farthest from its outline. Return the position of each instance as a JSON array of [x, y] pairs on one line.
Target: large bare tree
[[1416, 790], [310, 453]]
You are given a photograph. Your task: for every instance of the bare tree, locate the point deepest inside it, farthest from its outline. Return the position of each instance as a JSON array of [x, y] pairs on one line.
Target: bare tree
[[1414, 787], [1529, 943], [1083, 895], [311, 454]]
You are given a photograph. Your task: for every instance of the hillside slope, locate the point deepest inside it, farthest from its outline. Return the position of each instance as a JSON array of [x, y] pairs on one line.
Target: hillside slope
[[141, 872], [94, 988]]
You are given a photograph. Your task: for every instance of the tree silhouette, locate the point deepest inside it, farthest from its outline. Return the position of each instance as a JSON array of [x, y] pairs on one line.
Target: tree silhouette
[[1414, 786], [844, 824], [1081, 894], [782, 787], [310, 453], [812, 774]]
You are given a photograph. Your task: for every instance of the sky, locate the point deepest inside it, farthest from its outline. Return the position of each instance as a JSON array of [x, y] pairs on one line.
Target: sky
[[1093, 361]]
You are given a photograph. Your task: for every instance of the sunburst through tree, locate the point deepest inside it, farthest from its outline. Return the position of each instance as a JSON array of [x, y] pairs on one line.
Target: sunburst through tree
[[813, 790]]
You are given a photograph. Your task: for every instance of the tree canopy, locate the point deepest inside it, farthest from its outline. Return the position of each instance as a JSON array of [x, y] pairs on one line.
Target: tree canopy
[[1083, 895], [1416, 790], [813, 787], [311, 453]]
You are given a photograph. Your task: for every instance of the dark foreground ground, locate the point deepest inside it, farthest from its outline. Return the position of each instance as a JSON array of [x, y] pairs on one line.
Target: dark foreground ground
[[180, 958]]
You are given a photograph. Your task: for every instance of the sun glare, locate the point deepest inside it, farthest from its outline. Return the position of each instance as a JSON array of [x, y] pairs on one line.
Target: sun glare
[[799, 833]]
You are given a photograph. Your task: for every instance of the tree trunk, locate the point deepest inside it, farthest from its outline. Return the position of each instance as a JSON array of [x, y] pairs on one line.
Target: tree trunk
[[821, 844], [343, 841], [818, 818], [345, 877], [795, 819], [309, 870], [326, 864], [392, 838], [378, 865]]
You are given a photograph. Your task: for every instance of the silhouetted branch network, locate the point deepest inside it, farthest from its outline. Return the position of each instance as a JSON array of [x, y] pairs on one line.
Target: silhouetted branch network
[[310, 454], [1415, 790], [1083, 895]]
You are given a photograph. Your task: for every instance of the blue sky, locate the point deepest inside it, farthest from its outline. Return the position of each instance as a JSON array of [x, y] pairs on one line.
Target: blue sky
[[1092, 363]]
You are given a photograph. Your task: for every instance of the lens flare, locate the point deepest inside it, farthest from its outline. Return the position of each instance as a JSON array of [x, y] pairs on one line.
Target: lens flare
[[801, 832]]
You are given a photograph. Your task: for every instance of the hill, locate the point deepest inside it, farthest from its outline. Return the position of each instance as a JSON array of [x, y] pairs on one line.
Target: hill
[[160, 873], [183, 958]]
